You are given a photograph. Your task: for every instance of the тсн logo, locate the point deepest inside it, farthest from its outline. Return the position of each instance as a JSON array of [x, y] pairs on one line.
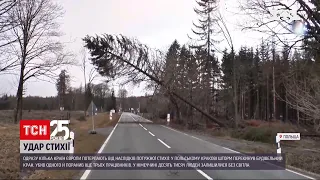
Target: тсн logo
[[40, 129]]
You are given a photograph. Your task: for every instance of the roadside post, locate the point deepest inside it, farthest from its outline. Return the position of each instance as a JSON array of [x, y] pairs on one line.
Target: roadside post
[[168, 119], [92, 110], [112, 111], [286, 137], [72, 143]]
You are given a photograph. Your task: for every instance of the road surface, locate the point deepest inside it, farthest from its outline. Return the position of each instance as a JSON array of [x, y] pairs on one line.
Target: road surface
[[151, 138]]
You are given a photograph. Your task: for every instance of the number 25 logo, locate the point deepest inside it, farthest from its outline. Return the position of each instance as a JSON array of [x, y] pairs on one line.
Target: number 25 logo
[[60, 127]]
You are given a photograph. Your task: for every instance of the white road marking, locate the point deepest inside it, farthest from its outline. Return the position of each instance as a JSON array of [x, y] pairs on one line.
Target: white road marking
[[204, 174], [300, 174], [164, 143], [151, 133], [133, 118], [143, 127], [199, 171], [233, 151], [87, 172]]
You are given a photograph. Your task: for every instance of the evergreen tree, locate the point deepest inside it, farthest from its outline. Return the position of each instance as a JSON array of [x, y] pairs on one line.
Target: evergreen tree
[[113, 101], [172, 57], [205, 32], [62, 84], [171, 77]]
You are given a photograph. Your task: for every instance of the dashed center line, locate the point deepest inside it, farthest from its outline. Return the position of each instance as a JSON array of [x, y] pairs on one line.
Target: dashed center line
[[164, 143], [151, 133], [143, 127], [200, 171]]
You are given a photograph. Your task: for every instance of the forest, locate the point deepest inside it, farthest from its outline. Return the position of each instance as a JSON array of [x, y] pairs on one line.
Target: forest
[[277, 80]]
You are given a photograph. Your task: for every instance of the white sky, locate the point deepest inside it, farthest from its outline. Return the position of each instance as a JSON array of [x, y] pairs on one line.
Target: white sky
[[154, 22]]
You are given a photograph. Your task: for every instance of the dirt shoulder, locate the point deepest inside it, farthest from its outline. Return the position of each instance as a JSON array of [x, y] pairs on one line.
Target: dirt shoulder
[[84, 143], [304, 154]]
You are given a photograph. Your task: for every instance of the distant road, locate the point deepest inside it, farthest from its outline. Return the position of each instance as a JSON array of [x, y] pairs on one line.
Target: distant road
[[152, 138]]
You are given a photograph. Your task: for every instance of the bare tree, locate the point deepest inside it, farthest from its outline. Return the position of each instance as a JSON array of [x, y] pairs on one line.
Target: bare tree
[[120, 56], [277, 17], [122, 94], [89, 77], [224, 31], [38, 50], [305, 100], [6, 62]]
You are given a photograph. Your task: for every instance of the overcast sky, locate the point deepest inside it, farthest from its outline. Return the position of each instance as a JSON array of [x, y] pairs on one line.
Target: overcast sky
[[154, 22]]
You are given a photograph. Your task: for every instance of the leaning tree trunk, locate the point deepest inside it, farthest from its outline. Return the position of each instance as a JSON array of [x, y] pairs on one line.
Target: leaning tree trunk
[[175, 104], [161, 83]]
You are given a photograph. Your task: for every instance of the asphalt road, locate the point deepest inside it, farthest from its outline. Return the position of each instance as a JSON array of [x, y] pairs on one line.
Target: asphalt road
[[152, 138]]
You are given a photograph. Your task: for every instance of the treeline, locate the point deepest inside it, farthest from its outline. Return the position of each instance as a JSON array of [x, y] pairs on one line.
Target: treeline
[[74, 101], [269, 82]]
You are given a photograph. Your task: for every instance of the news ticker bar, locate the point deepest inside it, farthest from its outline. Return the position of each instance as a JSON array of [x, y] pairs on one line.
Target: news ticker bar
[[152, 161], [46, 146]]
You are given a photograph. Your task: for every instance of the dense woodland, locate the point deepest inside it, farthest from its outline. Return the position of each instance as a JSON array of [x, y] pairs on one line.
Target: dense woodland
[[260, 71]]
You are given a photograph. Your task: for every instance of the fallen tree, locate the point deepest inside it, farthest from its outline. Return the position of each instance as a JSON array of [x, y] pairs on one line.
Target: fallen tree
[[119, 56]]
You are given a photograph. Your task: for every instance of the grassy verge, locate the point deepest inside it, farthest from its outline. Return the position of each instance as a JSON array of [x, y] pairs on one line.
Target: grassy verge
[[259, 137], [84, 143]]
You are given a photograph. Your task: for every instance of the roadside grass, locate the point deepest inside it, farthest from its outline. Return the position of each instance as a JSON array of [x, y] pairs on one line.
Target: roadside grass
[[259, 137], [84, 143]]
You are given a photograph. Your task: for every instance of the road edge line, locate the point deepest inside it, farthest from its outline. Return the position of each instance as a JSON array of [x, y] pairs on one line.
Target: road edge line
[[292, 171], [87, 171]]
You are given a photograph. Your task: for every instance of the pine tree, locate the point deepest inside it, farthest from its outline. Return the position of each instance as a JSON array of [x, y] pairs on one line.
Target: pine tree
[[204, 28], [226, 68], [172, 57], [191, 81], [170, 77], [205, 32], [62, 85], [113, 101]]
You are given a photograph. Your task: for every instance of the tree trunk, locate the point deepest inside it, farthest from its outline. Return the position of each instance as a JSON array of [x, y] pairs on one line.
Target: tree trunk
[[173, 93], [85, 94], [190, 108], [274, 94], [178, 113], [287, 108], [298, 116], [241, 104], [267, 101], [18, 110], [257, 106], [235, 93]]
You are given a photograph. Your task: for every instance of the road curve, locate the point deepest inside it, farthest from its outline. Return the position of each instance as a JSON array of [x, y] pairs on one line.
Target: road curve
[[138, 137]]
